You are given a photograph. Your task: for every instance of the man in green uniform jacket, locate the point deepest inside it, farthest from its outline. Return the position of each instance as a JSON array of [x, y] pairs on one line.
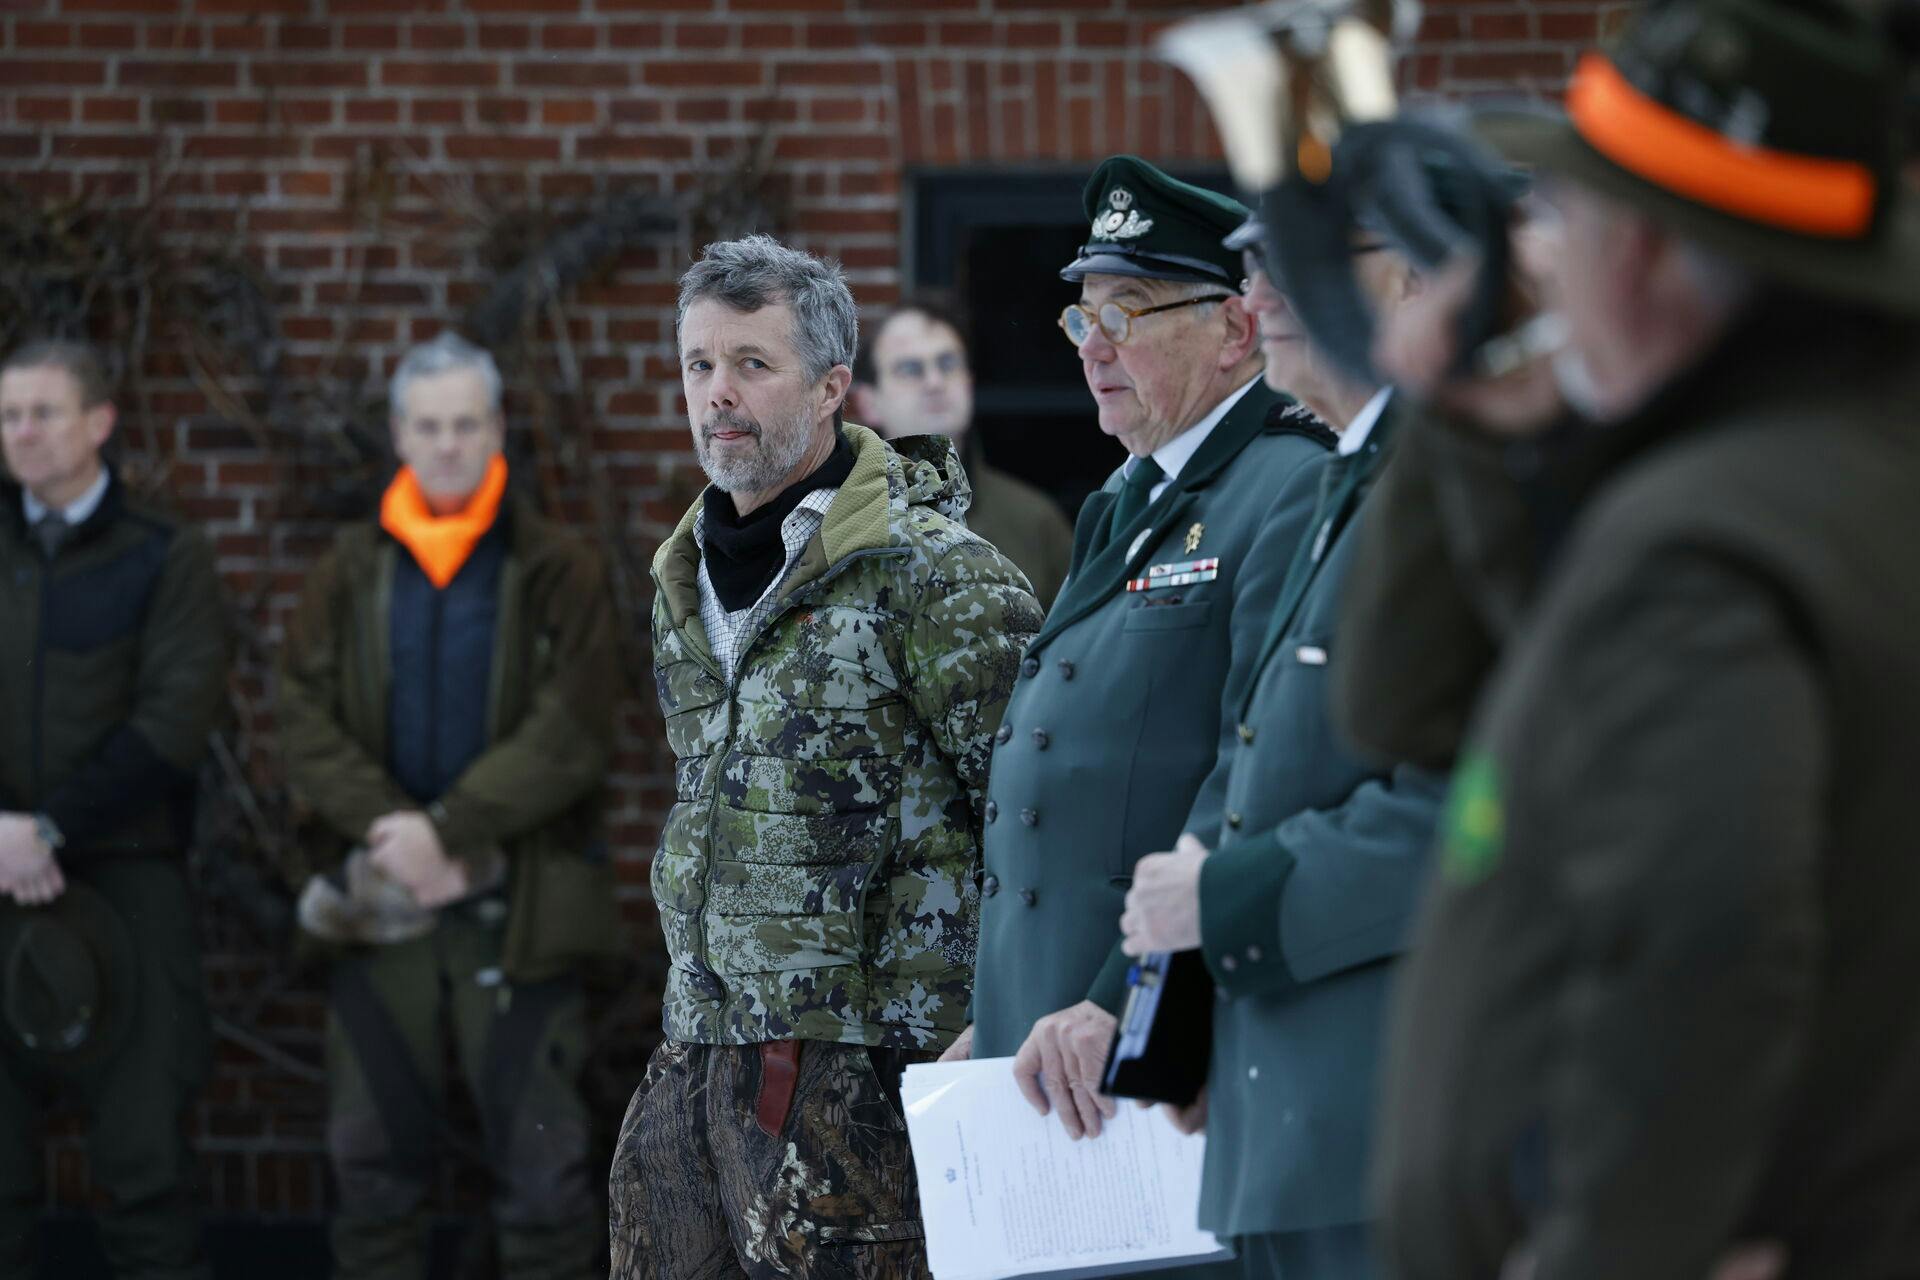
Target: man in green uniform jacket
[[914, 376], [113, 665], [1112, 745], [447, 692], [833, 650], [1309, 894], [1660, 1003]]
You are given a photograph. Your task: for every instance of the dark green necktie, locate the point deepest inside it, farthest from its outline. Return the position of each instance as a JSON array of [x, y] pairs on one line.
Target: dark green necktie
[[1135, 489], [51, 531]]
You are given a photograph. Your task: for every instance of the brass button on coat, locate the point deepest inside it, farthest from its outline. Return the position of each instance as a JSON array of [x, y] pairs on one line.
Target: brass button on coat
[[1229, 964], [1246, 733], [1029, 897], [1234, 820], [1004, 734], [990, 887], [993, 811], [1066, 669], [1030, 816], [1030, 667], [1040, 739]]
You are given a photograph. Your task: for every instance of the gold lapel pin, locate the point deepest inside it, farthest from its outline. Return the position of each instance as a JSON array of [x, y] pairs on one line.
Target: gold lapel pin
[[1193, 537]]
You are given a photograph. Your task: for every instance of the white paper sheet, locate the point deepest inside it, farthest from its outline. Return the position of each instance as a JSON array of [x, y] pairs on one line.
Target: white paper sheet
[[1004, 1192]]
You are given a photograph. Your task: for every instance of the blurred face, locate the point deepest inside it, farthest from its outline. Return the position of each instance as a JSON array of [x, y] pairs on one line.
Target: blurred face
[[756, 416], [51, 440], [1590, 277], [449, 433], [1294, 364], [922, 385], [1162, 379]]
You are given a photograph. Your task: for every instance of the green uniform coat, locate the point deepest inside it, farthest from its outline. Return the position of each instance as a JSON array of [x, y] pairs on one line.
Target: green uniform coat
[[818, 875], [1111, 745], [1308, 897], [1661, 998], [539, 789]]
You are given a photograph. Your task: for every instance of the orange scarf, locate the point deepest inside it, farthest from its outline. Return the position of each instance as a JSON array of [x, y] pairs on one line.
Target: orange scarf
[[441, 544]]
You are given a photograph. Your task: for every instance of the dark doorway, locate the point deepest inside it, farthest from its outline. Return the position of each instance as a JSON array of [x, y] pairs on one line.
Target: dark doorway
[[998, 240]]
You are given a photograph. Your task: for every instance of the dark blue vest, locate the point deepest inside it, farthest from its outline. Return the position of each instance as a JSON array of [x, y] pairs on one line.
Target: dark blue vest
[[440, 647]]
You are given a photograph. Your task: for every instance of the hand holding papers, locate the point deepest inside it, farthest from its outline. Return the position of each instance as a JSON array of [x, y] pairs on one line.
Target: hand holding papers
[[1004, 1192]]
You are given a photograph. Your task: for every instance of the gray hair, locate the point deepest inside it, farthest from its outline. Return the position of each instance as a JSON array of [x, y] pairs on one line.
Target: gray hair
[[77, 360], [443, 354], [758, 271]]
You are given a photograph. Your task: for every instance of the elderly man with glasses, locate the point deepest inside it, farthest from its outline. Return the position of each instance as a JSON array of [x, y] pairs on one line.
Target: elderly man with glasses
[[1111, 745]]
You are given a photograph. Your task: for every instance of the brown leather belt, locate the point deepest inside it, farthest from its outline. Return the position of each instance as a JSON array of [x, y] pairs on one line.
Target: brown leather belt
[[779, 1074]]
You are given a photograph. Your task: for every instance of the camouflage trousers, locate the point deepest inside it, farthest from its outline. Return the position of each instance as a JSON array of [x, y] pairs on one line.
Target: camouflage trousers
[[699, 1190]]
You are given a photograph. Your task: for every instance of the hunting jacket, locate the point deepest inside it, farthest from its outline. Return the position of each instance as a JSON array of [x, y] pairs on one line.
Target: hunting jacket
[[817, 877]]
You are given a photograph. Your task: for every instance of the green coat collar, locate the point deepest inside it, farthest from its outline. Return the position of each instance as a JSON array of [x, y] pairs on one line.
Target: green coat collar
[[1095, 578]]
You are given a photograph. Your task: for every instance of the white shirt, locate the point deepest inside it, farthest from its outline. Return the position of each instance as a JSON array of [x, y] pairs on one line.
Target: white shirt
[[76, 511], [1178, 452], [726, 628], [1363, 422]]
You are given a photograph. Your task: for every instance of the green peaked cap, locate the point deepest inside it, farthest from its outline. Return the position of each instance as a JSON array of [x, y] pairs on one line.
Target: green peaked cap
[[1143, 223]]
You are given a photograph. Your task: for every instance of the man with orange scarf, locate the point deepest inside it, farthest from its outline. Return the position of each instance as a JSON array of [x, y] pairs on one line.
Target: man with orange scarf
[[446, 703]]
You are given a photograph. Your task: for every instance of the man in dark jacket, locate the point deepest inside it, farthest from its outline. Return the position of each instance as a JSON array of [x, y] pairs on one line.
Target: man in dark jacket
[[914, 376], [113, 664], [1661, 1001], [447, 693]]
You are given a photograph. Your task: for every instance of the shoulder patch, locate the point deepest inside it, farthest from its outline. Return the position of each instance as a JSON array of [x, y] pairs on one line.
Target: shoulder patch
[[1473, 825]]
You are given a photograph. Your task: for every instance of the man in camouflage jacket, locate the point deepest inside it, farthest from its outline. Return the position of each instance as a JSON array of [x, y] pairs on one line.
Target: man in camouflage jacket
[[833, 650]]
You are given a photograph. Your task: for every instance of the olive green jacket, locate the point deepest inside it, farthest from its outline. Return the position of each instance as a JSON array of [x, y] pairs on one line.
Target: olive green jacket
[[538, 792], [818, 875], [113, 675]]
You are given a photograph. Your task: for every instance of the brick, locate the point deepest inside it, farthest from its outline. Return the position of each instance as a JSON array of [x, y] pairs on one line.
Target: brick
[[153, 8], [503, 113], [26, 146], [569, 35], [524, 150], [254, 8], [43, 35], [701, 35], [15, 72], [438, 36], [636, 35], [223, 146], [636, 111], [197, 74], [240, 111], [304, 37], [524, 6], [1508, 68], [240, 184], [361, 111], [566, 113], [307, 184], [373, 36], [833, 74], [178, 111], [31, 110], [96, 146], [637, 146], [827, 146], [238, 38], [438, 111], [546, 74], [769, 35], [439, 75], [702, 75], [309, 75], [514, 37]]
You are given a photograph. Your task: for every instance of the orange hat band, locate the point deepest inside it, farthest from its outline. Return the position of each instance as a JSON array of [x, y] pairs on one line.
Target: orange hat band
[[1811, 195]]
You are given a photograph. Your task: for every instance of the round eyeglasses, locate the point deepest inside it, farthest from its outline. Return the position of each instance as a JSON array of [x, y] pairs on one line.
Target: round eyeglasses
[[1116, 321]]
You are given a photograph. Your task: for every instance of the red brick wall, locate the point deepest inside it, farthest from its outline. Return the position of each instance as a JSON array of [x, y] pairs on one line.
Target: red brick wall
[[345, 146]]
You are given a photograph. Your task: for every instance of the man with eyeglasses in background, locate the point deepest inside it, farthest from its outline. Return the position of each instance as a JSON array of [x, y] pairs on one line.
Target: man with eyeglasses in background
[[1111, 745], [914, 377]]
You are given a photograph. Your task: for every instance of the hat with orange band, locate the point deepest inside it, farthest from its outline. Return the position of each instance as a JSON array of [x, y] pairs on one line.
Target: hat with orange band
[[1767, 130]]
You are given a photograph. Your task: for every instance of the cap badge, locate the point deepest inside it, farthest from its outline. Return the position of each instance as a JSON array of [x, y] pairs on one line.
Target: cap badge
[[1122, 221]]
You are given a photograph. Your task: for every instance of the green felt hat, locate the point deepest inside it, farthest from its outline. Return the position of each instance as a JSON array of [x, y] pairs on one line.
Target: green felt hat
[[1143, 223], [68, 978], [1768, 131]]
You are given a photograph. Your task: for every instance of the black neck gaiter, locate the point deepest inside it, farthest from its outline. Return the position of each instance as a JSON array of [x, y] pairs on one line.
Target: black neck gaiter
[[743, 553]]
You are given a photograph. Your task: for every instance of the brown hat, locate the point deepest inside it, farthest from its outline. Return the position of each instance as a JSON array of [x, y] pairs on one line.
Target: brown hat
[[1766, 130]]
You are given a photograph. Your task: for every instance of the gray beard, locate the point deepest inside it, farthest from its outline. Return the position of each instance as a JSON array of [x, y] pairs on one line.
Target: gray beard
[[778, 451]]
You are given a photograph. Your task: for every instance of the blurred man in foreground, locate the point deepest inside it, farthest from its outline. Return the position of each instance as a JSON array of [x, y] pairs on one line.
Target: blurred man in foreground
[[1661, 1001], [113, 666], [914, 376]]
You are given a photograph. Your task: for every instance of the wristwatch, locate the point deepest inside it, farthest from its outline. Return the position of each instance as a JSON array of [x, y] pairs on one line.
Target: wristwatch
[[49, 831]]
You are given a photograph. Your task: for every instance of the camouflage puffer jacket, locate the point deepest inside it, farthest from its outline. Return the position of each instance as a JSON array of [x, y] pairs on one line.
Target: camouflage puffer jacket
[[817, 878]]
